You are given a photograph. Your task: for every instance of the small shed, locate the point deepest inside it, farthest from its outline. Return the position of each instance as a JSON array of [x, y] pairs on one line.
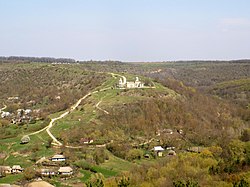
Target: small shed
[[66, 171], [25, 139], [171, 153], [86, 140], [17, 169], [58, 158], [47, 172], [158, 150]]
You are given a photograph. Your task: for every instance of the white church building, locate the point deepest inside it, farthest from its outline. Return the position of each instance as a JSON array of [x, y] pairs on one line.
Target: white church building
[[123, 83]]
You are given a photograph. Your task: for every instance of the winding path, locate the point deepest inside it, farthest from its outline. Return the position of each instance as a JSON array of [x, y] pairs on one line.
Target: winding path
[[53, 120], [5, 106], [97, 106]]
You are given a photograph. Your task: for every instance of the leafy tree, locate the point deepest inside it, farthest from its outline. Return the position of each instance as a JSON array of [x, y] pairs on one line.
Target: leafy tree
[[100, 156], [247, 153], [179, 183], [192, 183], [188, 183], [241, 183], [29, 173], [236, 150], [4, 122], [124, 182], [95, 183], [216, 151], [119, 149], [245, 136], [134, 154]]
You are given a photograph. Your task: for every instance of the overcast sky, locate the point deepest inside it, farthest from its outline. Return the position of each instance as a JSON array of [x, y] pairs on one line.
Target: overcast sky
[[126, 30]]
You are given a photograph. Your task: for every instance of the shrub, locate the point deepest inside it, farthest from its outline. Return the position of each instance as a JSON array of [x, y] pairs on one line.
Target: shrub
[[29, 173], [83, 164], [134, 154]]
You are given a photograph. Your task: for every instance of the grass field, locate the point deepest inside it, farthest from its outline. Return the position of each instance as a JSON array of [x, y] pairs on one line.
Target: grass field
[[87, 174], [10, 179], [116, 164], [21, 154]]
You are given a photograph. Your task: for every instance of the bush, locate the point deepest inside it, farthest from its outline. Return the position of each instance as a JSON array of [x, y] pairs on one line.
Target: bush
[[83, 164], [188, 183], [245, 136], [95, 181], [119, 149], [241, 183], [134, 154], [100, 156], [124, 182], [29, 173]]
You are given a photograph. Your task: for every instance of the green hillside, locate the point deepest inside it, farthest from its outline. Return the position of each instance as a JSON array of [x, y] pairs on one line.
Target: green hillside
[[109, 135]]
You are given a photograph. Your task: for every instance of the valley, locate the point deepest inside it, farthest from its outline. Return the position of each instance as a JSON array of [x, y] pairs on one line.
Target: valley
[[179, 125]]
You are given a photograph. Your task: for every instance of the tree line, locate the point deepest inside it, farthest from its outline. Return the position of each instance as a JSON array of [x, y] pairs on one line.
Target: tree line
[[36, 59]]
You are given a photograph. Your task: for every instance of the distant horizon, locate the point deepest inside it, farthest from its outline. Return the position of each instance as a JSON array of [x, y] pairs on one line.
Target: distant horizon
[[112, 60]]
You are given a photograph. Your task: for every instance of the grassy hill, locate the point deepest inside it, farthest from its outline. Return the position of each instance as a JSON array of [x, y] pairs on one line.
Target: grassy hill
[[125, 124]]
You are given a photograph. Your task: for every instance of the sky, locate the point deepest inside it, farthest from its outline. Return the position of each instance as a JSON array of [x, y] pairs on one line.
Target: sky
[[126, 30]]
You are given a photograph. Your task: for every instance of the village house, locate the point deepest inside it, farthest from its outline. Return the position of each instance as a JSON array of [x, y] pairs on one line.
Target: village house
[[47, 172], [27, 111], [86, 140], [16, 121], [16, 169], [164, 131], [123, 83], [170, 148], [66, 171], [58, 158], [5, 114], [23, 112], [5, 169], [22, 116], [180, 131], [13, 98], [158, 150]]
